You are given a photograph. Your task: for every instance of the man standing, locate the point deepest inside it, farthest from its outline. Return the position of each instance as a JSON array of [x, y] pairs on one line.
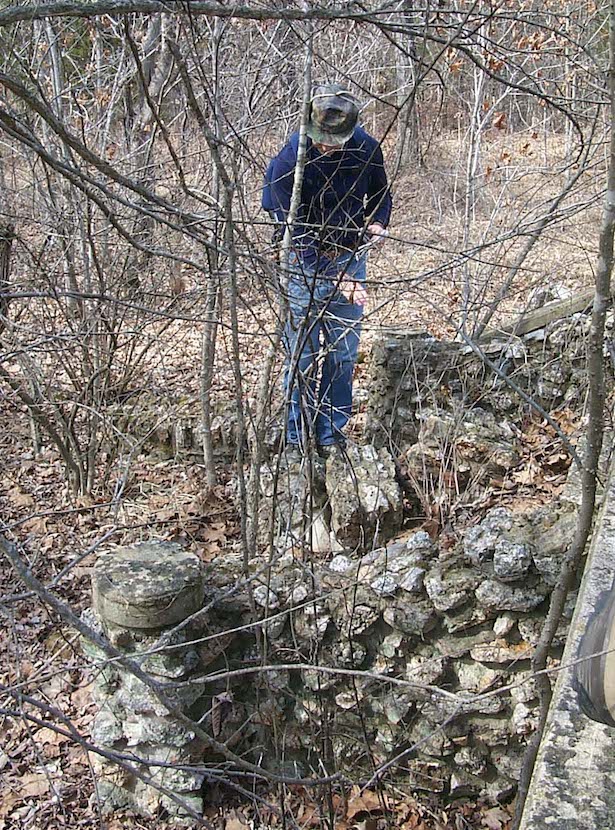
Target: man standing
[[345, 202]]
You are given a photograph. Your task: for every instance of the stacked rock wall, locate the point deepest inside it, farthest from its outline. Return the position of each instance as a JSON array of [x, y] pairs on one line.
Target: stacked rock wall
[[405, 646], [413, 375], [402, 620]]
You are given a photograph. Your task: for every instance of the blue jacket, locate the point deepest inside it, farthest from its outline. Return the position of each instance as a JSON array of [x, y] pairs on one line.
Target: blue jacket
[[341, 193]]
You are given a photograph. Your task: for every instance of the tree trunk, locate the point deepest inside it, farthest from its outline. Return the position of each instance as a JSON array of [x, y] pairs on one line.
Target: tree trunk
[[6, 242]]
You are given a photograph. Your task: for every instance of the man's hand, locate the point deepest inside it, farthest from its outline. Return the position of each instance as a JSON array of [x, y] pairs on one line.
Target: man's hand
[[377, 233], [355, 292]]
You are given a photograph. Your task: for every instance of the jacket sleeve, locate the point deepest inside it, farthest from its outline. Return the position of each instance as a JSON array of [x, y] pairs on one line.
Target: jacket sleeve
[[379, 201], [278, 186]]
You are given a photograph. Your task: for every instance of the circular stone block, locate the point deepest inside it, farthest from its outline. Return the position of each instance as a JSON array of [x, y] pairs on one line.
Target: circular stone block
[[148, 585]]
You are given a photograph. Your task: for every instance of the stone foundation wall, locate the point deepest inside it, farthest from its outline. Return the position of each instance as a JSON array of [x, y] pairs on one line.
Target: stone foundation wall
[[413, 375], [463, 619], [390, 644]]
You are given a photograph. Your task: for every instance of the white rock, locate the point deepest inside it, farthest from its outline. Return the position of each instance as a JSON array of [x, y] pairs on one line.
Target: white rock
[[299, 594], [265, 597], [340, 564], [503, 624], [385, 585], [523, 720], [413, 580]]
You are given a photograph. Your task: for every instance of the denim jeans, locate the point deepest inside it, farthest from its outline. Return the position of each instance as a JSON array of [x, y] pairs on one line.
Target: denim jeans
[[322, 342]]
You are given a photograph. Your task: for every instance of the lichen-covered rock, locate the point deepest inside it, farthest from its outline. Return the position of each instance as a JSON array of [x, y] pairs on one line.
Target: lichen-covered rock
[[554, 527], [292, 501], [426, 670], [476, 678], [472, 443], [511, 561], [524, 719], [459, 645], [499, 651], [497, 596], [449, 586], [471, 759], [414, 617], [430, 739], [311, 623], [149, 585], [464, 784], [467, 616], [139, 593], [479, 542]]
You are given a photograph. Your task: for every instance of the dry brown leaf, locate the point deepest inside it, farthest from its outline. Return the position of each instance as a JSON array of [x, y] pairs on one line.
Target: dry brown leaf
[[529, 473], [363, 802], [33, 784], [236, 821], [51, 741], [495, 818], [81, 698], [18, 498]]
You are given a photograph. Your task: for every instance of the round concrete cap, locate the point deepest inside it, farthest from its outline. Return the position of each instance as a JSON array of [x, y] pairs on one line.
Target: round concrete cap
[[149, 585]]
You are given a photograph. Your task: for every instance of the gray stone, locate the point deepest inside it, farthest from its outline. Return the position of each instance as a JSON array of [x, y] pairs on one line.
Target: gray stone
[[385, 585], [470, 758], [299, 594], [425, 670], [340, 563], [553, 528], [467, 616], [317, 681], [526, 689], [155, 730], [524, 719], [479, 541], [441, 709], [450, 587], [420, 543], [511, 561], [508, 762], [474, 677], [180, 781], [149, 585], [395, 707], [107, 728], [265, 597], [311, 622], [391, 645], [428, 739], [457, 646], [464, 784], [498, 596], [348, 653], [503, 625], [412, 581], [499, 651], [349, 700], [488, 731], [484, 446], [413, 617]]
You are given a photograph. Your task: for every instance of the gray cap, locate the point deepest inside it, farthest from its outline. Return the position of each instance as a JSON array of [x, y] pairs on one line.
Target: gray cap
[[333, 115]]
